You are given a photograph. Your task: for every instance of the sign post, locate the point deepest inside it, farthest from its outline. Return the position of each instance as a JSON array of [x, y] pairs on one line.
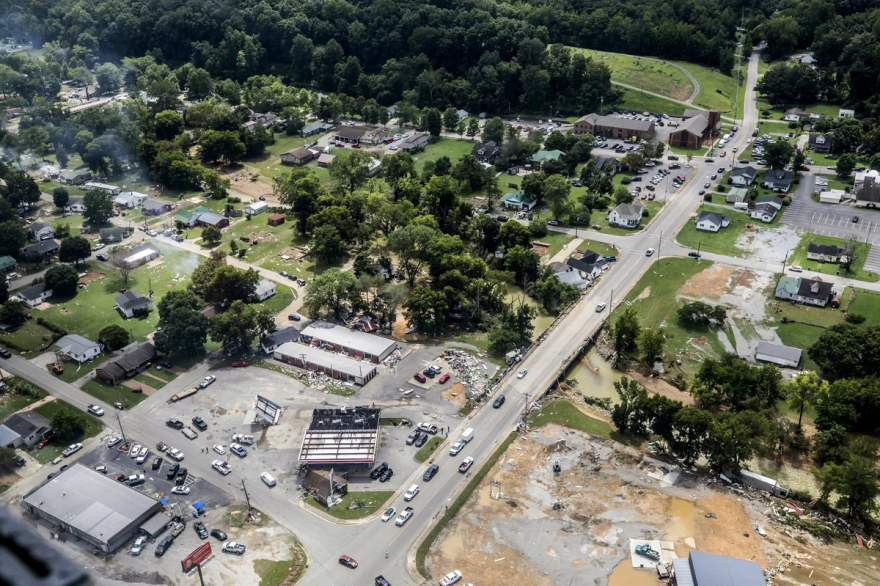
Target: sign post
[[196, 558]]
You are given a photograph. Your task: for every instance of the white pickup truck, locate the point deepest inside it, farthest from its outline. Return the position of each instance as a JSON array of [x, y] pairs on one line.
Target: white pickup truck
[[404, 516], [221, 467]]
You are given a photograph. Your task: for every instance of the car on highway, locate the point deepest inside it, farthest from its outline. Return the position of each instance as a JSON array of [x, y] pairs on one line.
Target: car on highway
[[200, 530], [714, 176], [234, 548], [174, 423], [411, 492], [267, 479], [200, 423], [348, 561], [455, 448], [601, 307], [114, 441], [379, 470], [207, 381], [71, 449], [96, 410], [466, 464], [404, 516], [694, 254], [443, 379], [722, 154], [239, 364], [649, 252], [238, 450], [451, 578], [499, 401], [217, 534], [219, 448], [702, 192], [388, 514], [707, 185], [430, 472], [522, 373], [180, 490]]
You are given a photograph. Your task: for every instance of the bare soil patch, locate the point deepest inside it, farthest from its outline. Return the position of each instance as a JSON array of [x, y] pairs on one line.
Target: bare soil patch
[[91, 277], [710, 283], [700, 341], [644, 294], [658, 386], [455, 394], [136, 384]]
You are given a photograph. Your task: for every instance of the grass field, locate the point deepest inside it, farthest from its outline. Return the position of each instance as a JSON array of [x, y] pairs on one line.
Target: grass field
[[721, 242], [111, 395], [827, 109], [635, 100], [866, 303], [427, 450], [664, 279], [73, 370], [372, 501], [822, 317], [10, 403], [54, 448], [598, 247], [717, 89], [652, 75], [565, 413], [30, 337], [448, 147], [799, 257], [556, 240], [800, 336]]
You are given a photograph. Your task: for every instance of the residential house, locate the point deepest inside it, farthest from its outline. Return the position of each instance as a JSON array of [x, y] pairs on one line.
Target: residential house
[[542, 156], [778, 354], [743, 176], [375, 136], [264, 290], [418, 140], [112, 235], [608, 165], [826, 252], [796, 115], [134, 360], [614, 127], [315, 127], [278, 337], [573, 278], [587, 264], [141, 254], [267, 120], [626, 215], [711, 221], [130, 199], [74, 177], [868, 195], [34, 295], [697, 127], [157, 207], [24, 428], [45, 247], [256, 208], [815, 292], [78, 348], [373, 167], [462, 115], [517, 200], [845, 113], [766, 208], [7, 263], [778, 180], [736, 195], [275, 220], [500, 253], [39, 231], [190, 217], [299, 156], [212, 219], [105, 187], [131, 302], [787, 288], [820, 143], [392, 111], [352, 134], [485, 152], [75, 204], [324, 160]]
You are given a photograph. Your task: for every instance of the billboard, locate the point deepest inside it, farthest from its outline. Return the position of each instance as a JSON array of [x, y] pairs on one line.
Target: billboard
[[199, 555], [268, 410]]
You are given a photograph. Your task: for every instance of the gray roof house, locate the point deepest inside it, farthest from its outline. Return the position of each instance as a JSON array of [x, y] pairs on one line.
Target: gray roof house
[[78, 348], [34, 295], [626, 215], [462, 114], [130, 199], [709, 569], [868, 195], [743, 175], [314, 128], [131, 301], [573, 278], [278, 337], [824, 252], [115, 234], [821, 143], [45, 247], [39, 231], [417, 140], [157, 207], [778, 179], [74, 177], [486, 152], [765, 208], [778, 354], [24, 428], [711, 221]]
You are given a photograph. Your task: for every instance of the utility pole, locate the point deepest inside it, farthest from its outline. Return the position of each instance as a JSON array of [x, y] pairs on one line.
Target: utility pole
[[659, 242], [784, 261], [246, 498], [611, 303], [699, 244], [118, 420], [601, 105]]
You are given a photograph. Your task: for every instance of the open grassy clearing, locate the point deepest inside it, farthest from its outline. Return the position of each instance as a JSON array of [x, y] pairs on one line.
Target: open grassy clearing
[[445, 147], [641, 102], [827, 109], [427, 450], [31, 337], [54, 448], [800, 336], [866, 303], [646, 73], [11, 403], [372, 500], [565, 413], [598, 247], [664, 278], [717, 89], [723, 241], [857, 271], [74, 370], [556, 240], [823, 317], [110, 395]]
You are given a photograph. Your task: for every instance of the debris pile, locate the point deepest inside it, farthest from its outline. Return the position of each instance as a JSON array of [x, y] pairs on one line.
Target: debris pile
[[472, 372]]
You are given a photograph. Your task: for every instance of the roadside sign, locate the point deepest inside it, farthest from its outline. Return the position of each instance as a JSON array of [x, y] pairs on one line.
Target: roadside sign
[[267, 409], [199, 555]]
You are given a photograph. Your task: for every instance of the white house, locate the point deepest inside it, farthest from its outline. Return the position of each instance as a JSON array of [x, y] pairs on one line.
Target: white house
[[130, 199], [75, 204], [142, 254], [131, 301], [766, 209], [34, 295], [39, 231], [462, 114], [257, 207], [106, 188], [78, 348], [844, 113], [265, 289], [711, 221], [795, 115], [626, 215], [743, 176]]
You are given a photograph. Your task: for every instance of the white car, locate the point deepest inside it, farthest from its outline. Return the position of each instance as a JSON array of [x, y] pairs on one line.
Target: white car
[[649, 252], [522, 373], [180, 490], [238, 450], [388, 514], [143, 455], [72, 449], [241, 438], [411, 492], [456, 448], [601, 307], [139, 545], [220, 449], [207, 381], [734, 149], [268, 479], [99, 246], [96, 410], [175, 453], [114, 441], [135, 450], [221, 467], [152, 233], [451, 578]]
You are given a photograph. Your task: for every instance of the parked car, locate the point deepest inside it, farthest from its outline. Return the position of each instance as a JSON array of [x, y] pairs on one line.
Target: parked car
[[241, 438], [428, 428], [795, 269], [72, 449], [451, 578], [217, 534], [164, 545], [379, 470], [114, 441], [422, 440], [201, 530], [219, 448], [96, 410], [174, 423], [420, 377], [180, 490], [294, 317], [207, 381], [175, 453], [234, 548], [200, 423], [268, 479], [239, 364], [413, 437], [172, 471], [694, 254], [386, 476], [238, 450], [443, 379]]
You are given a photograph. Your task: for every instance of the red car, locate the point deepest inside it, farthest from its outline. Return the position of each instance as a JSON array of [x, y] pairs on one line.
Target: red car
[[443, 379], [239, 364], [355, 146], [348, 561], [722, 154], [419, 377]]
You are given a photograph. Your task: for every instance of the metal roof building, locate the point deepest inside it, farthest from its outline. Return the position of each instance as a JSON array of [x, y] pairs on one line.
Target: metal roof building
[[342, 339], [778, 354], [91, 506], [341, 436], [708, 569], [334, 365]]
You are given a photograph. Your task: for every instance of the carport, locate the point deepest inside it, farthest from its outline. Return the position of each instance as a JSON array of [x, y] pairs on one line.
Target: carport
[[155, 525]]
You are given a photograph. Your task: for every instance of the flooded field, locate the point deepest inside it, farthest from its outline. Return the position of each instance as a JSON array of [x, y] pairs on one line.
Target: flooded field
[[594, 375], [542, 322]]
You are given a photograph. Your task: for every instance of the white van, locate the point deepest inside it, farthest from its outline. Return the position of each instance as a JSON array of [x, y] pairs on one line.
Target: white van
[[741, 205], [726, 137], [468, 435], [795, 269], [411, 492]]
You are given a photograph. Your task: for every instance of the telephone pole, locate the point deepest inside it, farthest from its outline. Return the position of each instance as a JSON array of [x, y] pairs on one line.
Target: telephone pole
[[246, 498], [119, 421]]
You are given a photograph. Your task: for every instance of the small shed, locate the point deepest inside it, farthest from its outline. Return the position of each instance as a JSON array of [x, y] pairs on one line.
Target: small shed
[[257, 207], [325, 159], [275, 220], [319, 484], [778, 354]]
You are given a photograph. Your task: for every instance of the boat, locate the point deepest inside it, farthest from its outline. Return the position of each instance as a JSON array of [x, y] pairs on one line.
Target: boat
[[648, 552]]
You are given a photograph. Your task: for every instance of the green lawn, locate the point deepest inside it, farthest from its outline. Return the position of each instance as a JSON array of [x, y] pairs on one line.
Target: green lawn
[[717, 89], [799, 257], [599, 247], [30, 337], [556, 240], [150, 381], [634, 100], [800, 336], [827, 109], [11, 403], [866, 303], [428, 449], [372, 500], [652, 75], [110, 395], [162, 373], [723, 241], [54, 449], [73, 370], [448, 147], [565, 413], [822, 317], [92, 308], [664, 278]]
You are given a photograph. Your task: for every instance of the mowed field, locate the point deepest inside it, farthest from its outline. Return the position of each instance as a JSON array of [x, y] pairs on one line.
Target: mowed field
[[652, 75]]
